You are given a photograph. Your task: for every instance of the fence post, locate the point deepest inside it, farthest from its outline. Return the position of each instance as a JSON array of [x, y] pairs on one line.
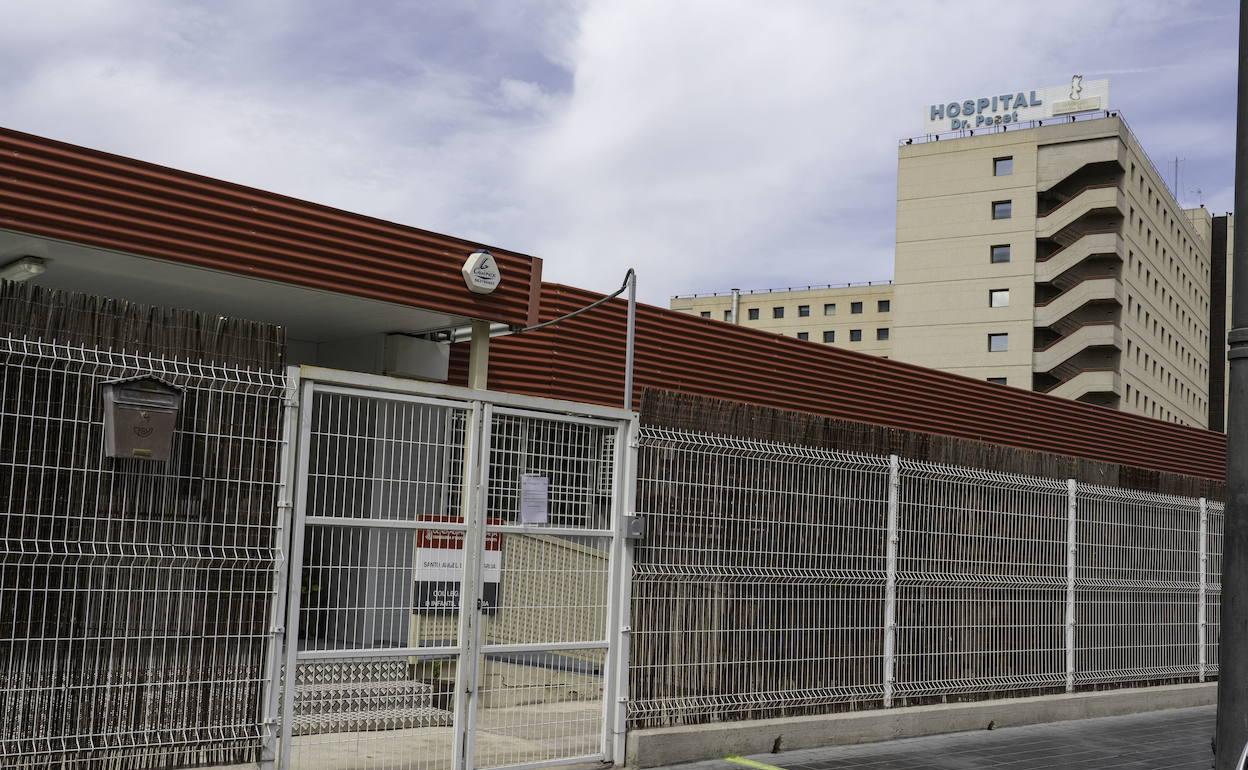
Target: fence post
[[1202, 661], [1072, 508], [890, 579]]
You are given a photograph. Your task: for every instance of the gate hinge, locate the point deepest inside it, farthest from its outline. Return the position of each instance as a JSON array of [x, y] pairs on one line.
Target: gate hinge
[[480, 605]]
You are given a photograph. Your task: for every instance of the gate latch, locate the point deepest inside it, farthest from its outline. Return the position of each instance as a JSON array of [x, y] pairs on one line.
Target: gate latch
[[634, 527]]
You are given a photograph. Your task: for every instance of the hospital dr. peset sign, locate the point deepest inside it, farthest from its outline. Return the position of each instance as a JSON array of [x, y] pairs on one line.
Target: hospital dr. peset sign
[[1018, 106]]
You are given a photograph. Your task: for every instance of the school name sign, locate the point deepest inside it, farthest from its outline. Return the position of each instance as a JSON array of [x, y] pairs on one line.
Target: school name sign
[[1018, 106]]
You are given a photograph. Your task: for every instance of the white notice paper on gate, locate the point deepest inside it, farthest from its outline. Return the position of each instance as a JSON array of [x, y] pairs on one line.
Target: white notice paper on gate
[[534, 499]]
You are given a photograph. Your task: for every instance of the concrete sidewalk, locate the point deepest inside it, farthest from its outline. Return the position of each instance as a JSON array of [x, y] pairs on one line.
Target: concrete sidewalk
[[1159, 740]]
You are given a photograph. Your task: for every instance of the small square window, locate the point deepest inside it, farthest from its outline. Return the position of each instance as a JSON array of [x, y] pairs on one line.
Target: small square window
[[777, 312], [803, 311], [997, 380], [855, 335], [829, 336], [998, 298], [752, 314], [855, 307], [1001, 253], [706, 314], [1003, 166], [728, 315], [829, 308], [1002, 209], [998, 343], [884, 305], [803, 335], [881, 334]]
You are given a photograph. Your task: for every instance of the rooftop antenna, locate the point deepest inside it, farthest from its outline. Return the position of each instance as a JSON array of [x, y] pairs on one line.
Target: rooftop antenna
[[1175, 188]]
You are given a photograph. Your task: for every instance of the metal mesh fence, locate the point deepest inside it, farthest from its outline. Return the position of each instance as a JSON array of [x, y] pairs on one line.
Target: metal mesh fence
[[135, 596], [776, 579], [981, 581], [760, 583]]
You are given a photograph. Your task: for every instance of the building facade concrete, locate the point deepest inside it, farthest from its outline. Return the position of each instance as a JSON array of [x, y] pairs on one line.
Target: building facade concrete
[[1049, 257]]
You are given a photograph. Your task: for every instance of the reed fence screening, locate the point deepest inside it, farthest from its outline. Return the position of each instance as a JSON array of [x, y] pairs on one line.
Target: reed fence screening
[[779, 579]]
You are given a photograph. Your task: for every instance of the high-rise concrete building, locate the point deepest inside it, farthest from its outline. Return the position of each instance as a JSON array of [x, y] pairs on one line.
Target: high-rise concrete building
[[1048, 256]]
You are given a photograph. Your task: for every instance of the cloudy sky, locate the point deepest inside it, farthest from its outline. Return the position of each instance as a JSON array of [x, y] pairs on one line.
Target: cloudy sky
[[708, 143]]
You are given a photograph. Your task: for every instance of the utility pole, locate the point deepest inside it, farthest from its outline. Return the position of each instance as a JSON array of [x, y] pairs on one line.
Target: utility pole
[[1232, 729]]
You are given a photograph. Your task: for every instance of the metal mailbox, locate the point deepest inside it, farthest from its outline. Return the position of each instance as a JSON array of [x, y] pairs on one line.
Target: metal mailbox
[[140, 414]]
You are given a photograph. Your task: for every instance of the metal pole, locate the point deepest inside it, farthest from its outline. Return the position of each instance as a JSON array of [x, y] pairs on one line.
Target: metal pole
[[630, 339], [1072, 564], [1202, 563], [890, 579], [1232, 729], [272, 697], [736, 306], [294, 578]]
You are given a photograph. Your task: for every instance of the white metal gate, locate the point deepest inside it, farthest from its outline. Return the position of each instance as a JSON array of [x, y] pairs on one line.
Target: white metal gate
[[455, 593]]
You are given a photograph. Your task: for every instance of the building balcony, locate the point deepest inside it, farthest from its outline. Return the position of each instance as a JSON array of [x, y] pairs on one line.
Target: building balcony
[[1105, 291], [1095, 201], [1095, 385], [1102, 243], [1105, 334]]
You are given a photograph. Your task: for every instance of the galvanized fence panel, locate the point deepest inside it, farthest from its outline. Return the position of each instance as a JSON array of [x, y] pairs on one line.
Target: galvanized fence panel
[[758, 589], [776, 579], [1137, 586], [981, 581], [136, 597], [1216, 513]]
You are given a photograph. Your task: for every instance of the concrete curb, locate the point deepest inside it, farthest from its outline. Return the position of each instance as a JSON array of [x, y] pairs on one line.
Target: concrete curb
[[670, 745]]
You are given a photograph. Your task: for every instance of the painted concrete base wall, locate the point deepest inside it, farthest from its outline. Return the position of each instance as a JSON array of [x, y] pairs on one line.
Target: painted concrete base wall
[[668, 745]]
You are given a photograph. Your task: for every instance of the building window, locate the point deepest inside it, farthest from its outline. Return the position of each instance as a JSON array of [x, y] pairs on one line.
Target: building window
[[855, 335], [884, 305], [1003, 166], [881, 334], [829, 336], [727, 315], [803, 311], [855, 308], [998, 298], [777, 312], [706, 314], [829, 308], [803, 335], [997, 380], [1001, 253], [753, 314], [1002, 209], [998, 343]]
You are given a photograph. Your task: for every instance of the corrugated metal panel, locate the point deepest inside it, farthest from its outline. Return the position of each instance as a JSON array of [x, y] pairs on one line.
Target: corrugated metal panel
[[74, 194], [583, 359]]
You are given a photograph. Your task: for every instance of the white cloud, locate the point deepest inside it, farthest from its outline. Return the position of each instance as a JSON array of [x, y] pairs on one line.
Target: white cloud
[[709, 144]]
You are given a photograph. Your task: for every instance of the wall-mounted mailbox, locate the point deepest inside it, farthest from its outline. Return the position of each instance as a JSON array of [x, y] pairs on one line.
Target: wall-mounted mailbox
[[139, 417]]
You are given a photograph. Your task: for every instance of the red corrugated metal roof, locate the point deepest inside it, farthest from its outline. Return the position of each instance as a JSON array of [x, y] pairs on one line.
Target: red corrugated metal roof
[[75, 194], [583, 360]]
